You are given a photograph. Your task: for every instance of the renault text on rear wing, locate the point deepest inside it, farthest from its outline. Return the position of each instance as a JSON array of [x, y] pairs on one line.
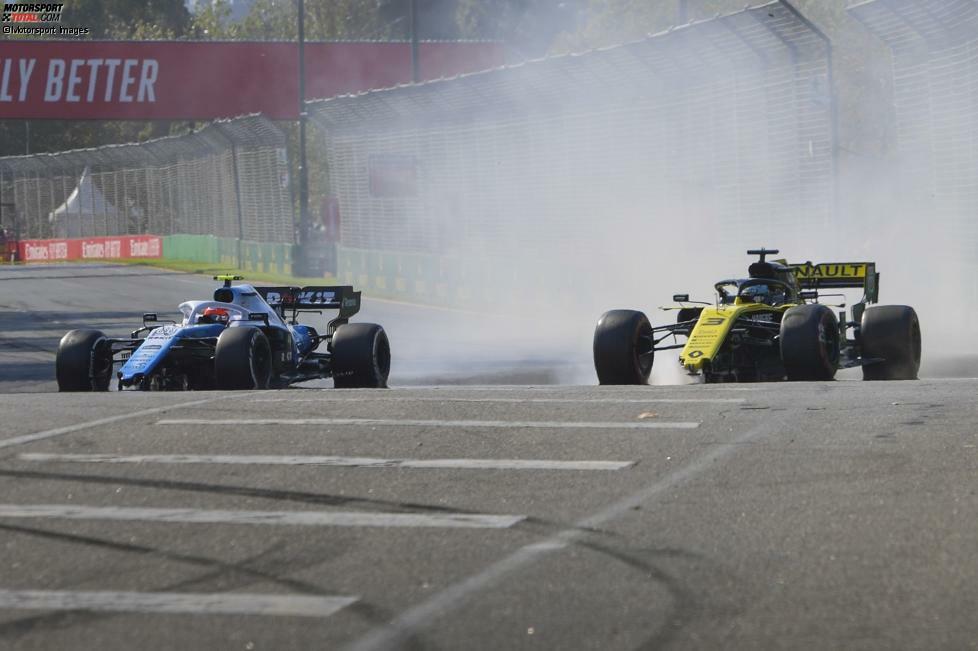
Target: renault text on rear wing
[[839, 275]]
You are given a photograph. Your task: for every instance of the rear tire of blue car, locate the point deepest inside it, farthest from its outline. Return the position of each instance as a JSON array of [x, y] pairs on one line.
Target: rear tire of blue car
[[361, 356], [623, 348], [242, 359], [810, 343], [891, 333], [84, 361]]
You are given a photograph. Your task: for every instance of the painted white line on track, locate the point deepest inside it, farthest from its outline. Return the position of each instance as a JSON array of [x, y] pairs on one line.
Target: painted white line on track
[[68, 429], [550, 388], [281, 518], [505, 424], [416, 618], [622, 401], [352, 462], [176, 603]]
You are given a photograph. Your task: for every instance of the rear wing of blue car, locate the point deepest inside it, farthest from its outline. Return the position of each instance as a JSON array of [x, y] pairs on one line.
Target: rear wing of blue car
[[313, 297]]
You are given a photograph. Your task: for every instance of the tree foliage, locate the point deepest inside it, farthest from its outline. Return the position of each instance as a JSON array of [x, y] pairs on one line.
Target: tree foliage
[[127, 20], [609, 22], [324, 20], [528, 27], [524, 24]]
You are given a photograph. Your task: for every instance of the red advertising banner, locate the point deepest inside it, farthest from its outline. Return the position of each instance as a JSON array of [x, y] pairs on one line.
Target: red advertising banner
[[91, 248], [144, 80]]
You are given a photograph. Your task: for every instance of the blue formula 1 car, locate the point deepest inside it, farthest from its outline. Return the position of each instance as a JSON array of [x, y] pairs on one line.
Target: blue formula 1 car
[[246, 338]]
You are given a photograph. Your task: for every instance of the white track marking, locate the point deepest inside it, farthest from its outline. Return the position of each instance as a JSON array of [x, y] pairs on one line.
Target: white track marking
[[61, 431], [353, 462], [696, 387], [622, 401], [176, 603], [298, 518], [413, 620], [518, 424]]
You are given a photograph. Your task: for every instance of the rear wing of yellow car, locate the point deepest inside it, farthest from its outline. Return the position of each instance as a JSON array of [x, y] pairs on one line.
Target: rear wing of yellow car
[[825, 275]]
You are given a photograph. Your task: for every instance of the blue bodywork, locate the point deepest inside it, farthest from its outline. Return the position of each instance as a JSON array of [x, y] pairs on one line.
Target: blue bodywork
[[182, 355], [155, 348], [304, 338], [242, 302]]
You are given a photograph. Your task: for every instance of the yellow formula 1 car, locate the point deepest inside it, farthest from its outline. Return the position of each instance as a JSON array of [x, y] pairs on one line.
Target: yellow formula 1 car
[[768, 327]]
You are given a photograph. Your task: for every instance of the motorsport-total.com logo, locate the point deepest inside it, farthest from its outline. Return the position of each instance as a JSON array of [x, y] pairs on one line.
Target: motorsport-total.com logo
[[29, 18]]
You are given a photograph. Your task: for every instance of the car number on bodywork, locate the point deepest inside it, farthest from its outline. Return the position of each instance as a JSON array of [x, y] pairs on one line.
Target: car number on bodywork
[[163, 332]]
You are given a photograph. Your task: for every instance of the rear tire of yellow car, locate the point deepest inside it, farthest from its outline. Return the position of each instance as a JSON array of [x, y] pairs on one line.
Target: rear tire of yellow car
[[810, 343], [623, 348], [891, 333]]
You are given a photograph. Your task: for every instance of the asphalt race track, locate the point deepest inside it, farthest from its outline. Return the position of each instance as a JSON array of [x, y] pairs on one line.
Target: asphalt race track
[[768, 516]]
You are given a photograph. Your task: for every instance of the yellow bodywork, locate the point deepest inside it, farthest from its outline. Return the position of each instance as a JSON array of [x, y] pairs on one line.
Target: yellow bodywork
[[712, 328]]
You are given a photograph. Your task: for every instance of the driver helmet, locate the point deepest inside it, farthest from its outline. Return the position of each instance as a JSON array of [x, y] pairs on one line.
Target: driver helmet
[[215, 315], [757, 293]]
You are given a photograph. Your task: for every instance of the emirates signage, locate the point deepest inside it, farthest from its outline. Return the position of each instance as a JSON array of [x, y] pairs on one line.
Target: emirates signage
[[92, 248], [115, 80]]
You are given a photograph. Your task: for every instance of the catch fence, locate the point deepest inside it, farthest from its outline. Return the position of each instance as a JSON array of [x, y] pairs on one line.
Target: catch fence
[[725, 124], [935, 73], [230, 179]]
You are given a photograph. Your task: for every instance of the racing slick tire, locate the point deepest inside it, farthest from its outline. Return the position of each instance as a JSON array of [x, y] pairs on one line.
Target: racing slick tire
[[623, 351], [361, 356], [810, 343], [242, 359], [891, 332], [84, 361]]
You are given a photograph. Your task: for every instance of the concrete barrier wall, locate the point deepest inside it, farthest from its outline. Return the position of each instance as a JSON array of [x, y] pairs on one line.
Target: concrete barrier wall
[[89, 248], [267, 257]]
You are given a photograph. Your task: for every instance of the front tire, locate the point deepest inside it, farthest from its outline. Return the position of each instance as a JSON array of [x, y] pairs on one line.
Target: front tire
[[623, 351], [242, 359], [892, 333], [84, 361], [361, 356], [810, 343]]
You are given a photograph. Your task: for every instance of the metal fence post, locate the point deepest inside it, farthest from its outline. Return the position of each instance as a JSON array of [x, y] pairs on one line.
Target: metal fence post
[[237, 200], [833, 106], [237, 190]]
